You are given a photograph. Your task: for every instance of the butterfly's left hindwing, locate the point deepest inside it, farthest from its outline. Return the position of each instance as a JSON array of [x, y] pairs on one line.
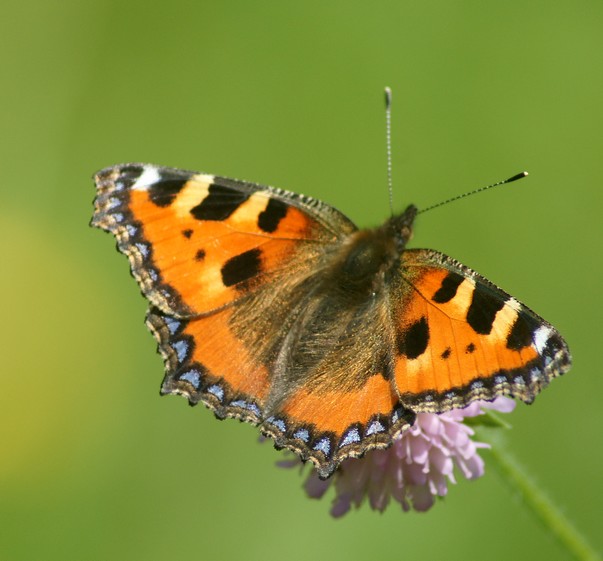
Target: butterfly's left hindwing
[[230, 383], [327, 414], [461, 338]]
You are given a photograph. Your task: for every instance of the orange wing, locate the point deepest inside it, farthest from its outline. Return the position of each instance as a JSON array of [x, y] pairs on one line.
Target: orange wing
[[461, 338], [197, 242]]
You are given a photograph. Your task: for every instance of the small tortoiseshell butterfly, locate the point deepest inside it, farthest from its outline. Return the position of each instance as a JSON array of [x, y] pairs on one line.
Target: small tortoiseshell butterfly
[[275, 309]]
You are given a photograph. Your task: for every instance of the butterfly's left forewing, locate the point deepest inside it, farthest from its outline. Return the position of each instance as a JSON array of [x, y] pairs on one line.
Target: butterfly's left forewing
[[198, 242], [461, 338]]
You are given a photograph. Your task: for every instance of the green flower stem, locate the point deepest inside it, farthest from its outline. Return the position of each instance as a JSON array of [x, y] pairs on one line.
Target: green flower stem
[[538, 503]]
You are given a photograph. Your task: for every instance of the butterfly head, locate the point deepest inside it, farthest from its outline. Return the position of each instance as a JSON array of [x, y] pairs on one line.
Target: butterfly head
[[399, 227]]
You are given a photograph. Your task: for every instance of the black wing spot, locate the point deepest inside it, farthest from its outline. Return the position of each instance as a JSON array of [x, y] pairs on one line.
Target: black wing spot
[[241, 268], [413, 341], [219, 203], [446, 354], [164, 192], [483, 309], [520, 335], [200, 255], [470, 348], [448, 288], [187, 233], [270, 217]]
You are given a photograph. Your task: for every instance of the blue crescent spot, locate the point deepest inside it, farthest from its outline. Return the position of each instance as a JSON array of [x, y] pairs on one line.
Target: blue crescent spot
[[172, 324], [112, 203], [143, 248], [323, 445], [351, 437], [217, 391], [246, 405], [302, 434], [374, 428], [193, 377], [181, 348], [279, 424]]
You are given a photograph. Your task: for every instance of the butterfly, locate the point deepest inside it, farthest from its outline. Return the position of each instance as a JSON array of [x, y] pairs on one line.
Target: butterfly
[[274, 308]]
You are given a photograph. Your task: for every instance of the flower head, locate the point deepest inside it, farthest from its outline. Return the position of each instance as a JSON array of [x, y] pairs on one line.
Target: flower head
[[416, 468]]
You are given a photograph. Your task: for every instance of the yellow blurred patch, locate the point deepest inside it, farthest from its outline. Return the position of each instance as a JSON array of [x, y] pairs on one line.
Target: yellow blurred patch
[[52, 400]]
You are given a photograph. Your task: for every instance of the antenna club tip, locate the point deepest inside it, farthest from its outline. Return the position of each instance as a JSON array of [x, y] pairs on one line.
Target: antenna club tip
[[516, 177], [388, 96]]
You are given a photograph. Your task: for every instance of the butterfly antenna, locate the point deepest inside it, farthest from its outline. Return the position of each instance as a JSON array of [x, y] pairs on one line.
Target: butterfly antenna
[[388, 144], [511, 179]]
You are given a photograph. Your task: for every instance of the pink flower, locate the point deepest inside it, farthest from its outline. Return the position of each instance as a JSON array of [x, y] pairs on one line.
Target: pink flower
[[416, 468]]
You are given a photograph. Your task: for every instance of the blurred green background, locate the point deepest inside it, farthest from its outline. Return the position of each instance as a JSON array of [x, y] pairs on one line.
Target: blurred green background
[[94, 464]]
